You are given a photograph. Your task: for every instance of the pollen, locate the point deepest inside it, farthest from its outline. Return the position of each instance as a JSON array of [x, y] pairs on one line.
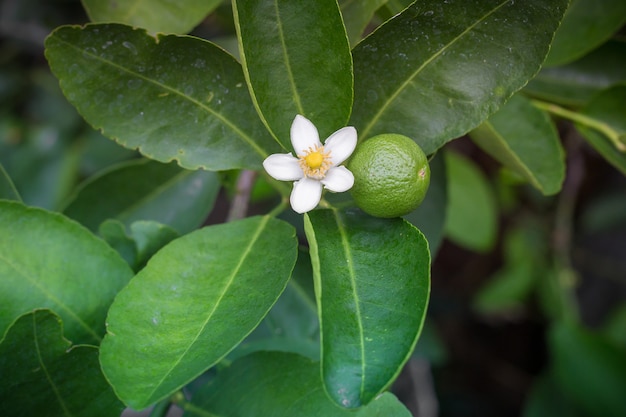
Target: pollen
[[315, 162]]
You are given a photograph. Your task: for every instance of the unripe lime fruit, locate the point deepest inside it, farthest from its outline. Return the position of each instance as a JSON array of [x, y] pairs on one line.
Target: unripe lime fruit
[[391, 175]]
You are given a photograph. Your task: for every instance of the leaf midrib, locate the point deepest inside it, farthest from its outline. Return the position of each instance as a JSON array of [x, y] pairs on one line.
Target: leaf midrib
[[436, 55]]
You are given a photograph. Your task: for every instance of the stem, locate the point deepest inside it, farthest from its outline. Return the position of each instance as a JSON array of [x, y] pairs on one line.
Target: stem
[[180, 400], [595, 124], [239, 206]]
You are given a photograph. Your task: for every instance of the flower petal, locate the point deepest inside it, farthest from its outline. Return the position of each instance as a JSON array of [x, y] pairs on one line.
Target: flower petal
[[303, 135], [341, 144], [338, 179], [306, 195], [283, 167]]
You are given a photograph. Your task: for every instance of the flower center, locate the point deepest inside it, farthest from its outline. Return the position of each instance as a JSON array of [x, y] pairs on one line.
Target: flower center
[[315, 162]]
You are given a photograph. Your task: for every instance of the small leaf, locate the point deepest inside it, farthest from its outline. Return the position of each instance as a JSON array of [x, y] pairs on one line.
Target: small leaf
[[50, 261], [156, 15], [47, 377], [439, 69], [7, 188], [145, 190], [471, 219], [515, 135], [171, 97], [297, 61], [114, 233], [576, 83], [279, 385], [150, 237], [591, 370], [372, 282], [608, 107], [586, 25], [356, 16], [197, 298]]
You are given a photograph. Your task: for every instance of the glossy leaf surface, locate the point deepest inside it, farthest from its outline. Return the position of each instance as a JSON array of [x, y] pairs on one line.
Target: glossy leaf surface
[[471, 220], [356, 16], [574, 84], [168, 16], [279, 385], [146, 190], [586, 25], [171, 97], [516, 135], [50, 261], [608, 107], [7, 188], [43, 376], [448, 65], [197, 298], [372, 282], [297, 61]]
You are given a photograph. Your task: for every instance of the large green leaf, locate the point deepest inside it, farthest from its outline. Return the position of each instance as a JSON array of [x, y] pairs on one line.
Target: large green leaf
[[515, 135], [471, 220], [576, 83], [145, 190], [440, 68], [197, 298], [169, 16], [50, 261], [590, 369], [171, 97], [586, 25], [372, 282], [356, 16], [608, 107], [7, 188], [43, 376], [279, 385], [297, 61]]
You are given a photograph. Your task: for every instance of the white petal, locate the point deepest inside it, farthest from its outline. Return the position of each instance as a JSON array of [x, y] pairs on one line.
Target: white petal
[[306, 195], [303, 135], [338, 179], [341, 144], [283, 167]]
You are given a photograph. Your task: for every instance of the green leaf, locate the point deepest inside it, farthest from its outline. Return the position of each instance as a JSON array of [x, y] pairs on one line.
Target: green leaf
[[49, 261], [197, 298], [145, 190], [590, 369], [576, 83], [515, 135], [45, 377], [114, 233], [546, 399], [430, 216], [171, 97], [356, 16], [608, 107], [439, 69], [279, 385], [149, 237], [586, 25], [297, 60], [7, 188], [156, 15], [471, 220], [372, 282]]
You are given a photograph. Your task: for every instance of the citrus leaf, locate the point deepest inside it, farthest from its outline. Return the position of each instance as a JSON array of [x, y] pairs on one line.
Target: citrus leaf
[[279, 385], [372, 282], [171, 97], [471, 220], [297, 60], [50, 261], [179, 16], [145, 190], [195, 300], [48, 378], [356, 16], [515, 135], [439, 69], [576, 83], [586, 25], [7, 188]]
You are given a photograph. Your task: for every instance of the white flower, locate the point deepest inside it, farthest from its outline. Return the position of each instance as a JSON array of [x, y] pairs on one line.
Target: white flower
[[316, 165]]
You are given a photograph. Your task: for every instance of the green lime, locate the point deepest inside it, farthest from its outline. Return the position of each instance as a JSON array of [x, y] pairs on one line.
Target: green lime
[[391, 175]]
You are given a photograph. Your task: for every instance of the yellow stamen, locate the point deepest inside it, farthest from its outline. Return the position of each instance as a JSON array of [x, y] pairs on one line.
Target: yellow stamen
[[315, 162]]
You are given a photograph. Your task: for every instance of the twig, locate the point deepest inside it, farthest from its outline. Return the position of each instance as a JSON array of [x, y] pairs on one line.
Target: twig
[[239, 206]]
